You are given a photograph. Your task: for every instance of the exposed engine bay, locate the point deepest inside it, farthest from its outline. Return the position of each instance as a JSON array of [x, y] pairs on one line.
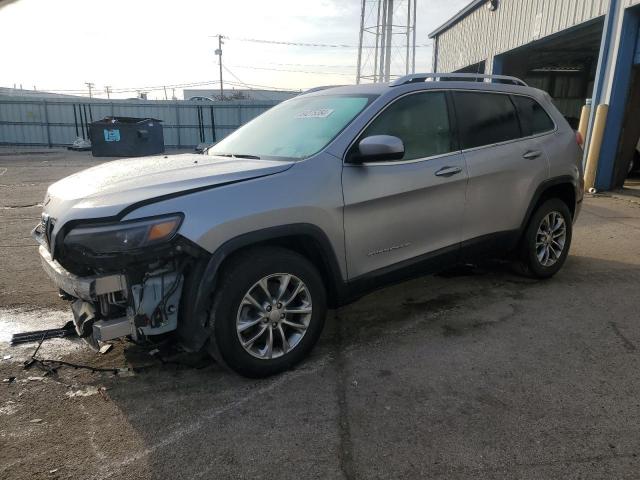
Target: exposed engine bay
[[135, 304], [148, 308], [134, 295]]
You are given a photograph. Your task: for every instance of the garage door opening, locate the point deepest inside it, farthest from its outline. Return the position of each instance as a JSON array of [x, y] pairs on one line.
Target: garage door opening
[[563, 65], [627, 170]]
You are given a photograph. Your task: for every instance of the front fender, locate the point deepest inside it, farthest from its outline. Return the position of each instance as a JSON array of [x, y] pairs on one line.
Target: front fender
[[201, 283]]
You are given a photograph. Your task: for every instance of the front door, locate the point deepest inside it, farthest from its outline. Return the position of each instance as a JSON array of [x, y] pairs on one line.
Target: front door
[[398, 212]]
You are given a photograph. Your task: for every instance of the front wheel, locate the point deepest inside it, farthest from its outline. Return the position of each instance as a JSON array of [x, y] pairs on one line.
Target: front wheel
[[546, 241], [268, 312]]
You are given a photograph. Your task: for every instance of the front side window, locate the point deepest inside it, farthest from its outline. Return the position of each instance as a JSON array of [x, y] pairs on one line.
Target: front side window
[[420, 120], [533, 118], [297, 128], [485, 118]]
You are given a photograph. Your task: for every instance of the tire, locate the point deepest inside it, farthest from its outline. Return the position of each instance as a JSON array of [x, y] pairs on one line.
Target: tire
[[236, 319], [539, 255]]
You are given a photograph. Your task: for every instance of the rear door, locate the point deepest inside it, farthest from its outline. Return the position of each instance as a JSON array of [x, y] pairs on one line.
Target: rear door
[[400, 211], [506, 163]]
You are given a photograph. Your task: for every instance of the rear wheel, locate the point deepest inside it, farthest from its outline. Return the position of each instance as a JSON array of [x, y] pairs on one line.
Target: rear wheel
[[546, 241], [268, 312]]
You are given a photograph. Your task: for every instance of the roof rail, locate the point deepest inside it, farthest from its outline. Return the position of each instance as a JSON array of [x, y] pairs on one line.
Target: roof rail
[[320, 88], [422, 77]]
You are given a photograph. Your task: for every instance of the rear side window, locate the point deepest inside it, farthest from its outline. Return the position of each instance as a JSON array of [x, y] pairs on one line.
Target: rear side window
[[533, 119], [420, 120], [485, 118]]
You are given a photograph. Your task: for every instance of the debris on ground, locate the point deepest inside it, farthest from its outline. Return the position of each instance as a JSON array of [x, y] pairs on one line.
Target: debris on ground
[[80, 145], [9, 380], [105, 348], [36, 420], [103, 393], [68, 330], [7, 357], [87, 392], [9, 408]]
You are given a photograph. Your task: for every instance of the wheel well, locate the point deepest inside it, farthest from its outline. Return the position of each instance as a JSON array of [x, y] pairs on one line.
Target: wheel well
[[308, 247], [563, 191]]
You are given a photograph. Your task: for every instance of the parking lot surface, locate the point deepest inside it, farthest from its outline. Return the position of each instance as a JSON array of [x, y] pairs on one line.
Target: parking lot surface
[[477, 373]]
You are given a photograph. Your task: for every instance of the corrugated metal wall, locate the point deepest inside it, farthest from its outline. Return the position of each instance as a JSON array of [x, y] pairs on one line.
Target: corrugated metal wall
[[483, 34], [58, 122]]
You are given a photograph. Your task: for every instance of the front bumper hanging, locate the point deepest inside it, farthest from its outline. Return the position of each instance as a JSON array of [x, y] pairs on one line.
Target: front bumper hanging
[[86, 288]]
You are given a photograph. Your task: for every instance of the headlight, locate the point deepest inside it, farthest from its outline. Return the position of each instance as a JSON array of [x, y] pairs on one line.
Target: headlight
[[124, 236]]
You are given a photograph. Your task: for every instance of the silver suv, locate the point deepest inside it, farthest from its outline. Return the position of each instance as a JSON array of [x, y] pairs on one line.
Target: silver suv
[[325, 196]]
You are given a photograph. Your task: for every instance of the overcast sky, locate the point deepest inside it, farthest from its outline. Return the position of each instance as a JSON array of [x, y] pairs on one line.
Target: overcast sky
[[61, 44]]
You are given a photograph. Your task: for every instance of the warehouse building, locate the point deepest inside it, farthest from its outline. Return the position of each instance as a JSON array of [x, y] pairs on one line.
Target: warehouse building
[[574, 49]]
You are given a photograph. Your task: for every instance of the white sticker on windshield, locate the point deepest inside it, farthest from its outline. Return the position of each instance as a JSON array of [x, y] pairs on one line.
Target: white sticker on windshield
[[318, 113]]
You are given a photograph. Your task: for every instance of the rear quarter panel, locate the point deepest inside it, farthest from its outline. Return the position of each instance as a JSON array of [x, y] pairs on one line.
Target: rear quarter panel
[[564, 153]]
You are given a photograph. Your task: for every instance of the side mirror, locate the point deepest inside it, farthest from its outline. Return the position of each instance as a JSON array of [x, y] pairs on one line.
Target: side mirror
[[379, 147]]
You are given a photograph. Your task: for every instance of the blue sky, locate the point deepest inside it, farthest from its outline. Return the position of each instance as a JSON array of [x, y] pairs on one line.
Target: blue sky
[[61, 44]]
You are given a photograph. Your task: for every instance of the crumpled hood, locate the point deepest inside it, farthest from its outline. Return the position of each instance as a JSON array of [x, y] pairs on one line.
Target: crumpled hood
[[109, 188]]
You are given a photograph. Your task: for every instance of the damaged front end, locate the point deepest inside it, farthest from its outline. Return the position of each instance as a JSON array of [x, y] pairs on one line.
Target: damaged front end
[[123, 278]]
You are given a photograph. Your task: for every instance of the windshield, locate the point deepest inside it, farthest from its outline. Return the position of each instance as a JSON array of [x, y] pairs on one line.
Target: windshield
[[297, 128]]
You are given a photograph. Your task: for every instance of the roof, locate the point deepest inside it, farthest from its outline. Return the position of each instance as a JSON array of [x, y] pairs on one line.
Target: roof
[[362, 89], [457, 17], [385, 88]]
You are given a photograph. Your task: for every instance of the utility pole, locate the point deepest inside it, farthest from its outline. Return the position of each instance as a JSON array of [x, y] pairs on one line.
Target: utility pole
[[415, 14], [219, 53], [165, 93], [107, 88], [383, 30], [89, 86], [388, 27], [359, 71], [387, 56]]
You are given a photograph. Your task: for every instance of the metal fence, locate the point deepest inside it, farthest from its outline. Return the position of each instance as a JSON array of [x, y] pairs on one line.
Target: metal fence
[[58, 122]]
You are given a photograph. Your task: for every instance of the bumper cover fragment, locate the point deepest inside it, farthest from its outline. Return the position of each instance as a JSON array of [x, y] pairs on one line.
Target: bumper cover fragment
[[86, 288]]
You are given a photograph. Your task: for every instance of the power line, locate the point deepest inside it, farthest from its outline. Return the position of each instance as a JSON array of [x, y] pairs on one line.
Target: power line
[[304, 44], [90, 86], [310, 65], [111, 90], [236, 77], [251, 67]]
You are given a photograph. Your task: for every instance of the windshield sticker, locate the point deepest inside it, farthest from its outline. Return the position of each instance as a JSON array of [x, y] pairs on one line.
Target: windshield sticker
[[318, 113]]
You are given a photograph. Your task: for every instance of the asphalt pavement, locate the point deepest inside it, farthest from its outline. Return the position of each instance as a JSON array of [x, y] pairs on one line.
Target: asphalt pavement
[[474, 374]]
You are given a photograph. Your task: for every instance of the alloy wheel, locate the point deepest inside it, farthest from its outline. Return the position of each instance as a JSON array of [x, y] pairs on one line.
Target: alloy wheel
[[274, 316], [550, 239]]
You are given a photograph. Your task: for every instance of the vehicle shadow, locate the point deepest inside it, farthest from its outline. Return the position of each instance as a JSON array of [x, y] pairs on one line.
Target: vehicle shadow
[[186, 417]]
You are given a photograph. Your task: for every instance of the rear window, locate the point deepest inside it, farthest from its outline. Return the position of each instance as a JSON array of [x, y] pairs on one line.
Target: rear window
[[533, 118], [485, 118]]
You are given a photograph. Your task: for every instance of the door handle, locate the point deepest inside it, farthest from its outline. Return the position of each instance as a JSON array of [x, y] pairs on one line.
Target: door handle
[[448, 171], [532, 154]]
